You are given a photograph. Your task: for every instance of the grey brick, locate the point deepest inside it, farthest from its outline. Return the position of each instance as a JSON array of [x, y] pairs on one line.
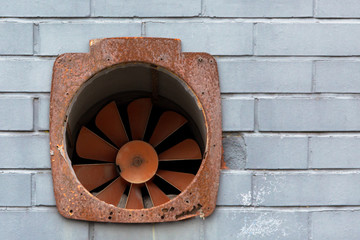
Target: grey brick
[[318, 114], [163, 8], [337, 76], [45, 8], [212, 37], [25, 75], [56, 38], [44, 108], [235, 188], [16, 38], [15, 189], [338, 9], [334, 152], [258, 8], [24, 151], [238, 76], [237, 114], [232, 223], [234, 152], [40, 224], [307, 39], [16, 113], [276, 152], [306, 189], [122, 231], [334, 225], [187, 229], [44, 190]]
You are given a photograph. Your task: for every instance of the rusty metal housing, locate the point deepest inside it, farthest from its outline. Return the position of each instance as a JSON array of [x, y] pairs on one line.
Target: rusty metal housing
[[122, 71]]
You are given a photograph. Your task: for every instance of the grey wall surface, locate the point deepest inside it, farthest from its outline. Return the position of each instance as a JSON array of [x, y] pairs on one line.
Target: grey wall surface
[[290, 82]]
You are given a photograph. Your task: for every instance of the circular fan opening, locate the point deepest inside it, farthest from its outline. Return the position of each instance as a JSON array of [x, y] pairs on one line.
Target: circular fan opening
[[135, 135]]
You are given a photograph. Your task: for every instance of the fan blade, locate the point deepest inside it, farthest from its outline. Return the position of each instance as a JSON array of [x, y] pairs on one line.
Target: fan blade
[[109, 122], [139, 113], [186, 150], [91, 146], [112, 193], [92, 176], [157, 196], [134, 200], [168, 123], [177, 179]]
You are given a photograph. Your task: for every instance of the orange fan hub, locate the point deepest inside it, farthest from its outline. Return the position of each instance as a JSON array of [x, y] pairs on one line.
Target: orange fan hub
[[138, 161]]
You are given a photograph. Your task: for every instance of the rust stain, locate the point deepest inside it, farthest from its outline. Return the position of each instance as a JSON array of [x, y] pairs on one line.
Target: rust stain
[[197, 70]]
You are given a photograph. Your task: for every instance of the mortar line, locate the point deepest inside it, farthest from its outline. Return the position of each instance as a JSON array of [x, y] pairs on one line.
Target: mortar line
[[254, 39], [308, 153], [35, 39], [313, 76], [91, 234], [252, 188], [92, 8], [33, 189], [314, 10], [256, 115], [202, 8], [309, 224], [143, 29], [35, 114], [202, 229]]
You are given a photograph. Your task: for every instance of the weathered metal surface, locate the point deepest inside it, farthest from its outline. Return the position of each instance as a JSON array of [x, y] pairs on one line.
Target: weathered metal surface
[[139, 113], [109, 122], [138, 161], [91, 146], [168, 123], [197, 70], [185, 150]]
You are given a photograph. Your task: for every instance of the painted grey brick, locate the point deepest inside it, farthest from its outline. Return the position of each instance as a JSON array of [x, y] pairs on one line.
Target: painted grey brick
[[237, 114], [309, 114], [232, 223], [258, 8], [334, 225], [334, 152], [337, 9], [264, 76], [122, 231], [234, 152], [235, 188], [276, 152], [337, 76], [16, 189], [57, 38], [44, 108], [307, 39], [140, 8], [25, 75], [44, 190], [16, 38], [24, 151], [16, 113], [212, 37], [306, 189], [187, 229], [44, 8], [40, 224]]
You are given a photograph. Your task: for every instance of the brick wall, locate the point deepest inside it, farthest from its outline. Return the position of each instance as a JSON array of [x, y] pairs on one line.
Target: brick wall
[[289, 75]]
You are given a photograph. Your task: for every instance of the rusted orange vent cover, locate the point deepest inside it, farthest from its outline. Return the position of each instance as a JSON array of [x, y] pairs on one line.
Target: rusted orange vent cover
[[135, 132]]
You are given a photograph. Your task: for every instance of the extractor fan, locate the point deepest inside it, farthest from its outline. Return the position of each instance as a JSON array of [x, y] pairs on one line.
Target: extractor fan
[[129, 161], [135, 132]]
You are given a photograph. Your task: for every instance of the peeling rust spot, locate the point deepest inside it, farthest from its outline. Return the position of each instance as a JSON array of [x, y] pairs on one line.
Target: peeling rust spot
[[193, 211]]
